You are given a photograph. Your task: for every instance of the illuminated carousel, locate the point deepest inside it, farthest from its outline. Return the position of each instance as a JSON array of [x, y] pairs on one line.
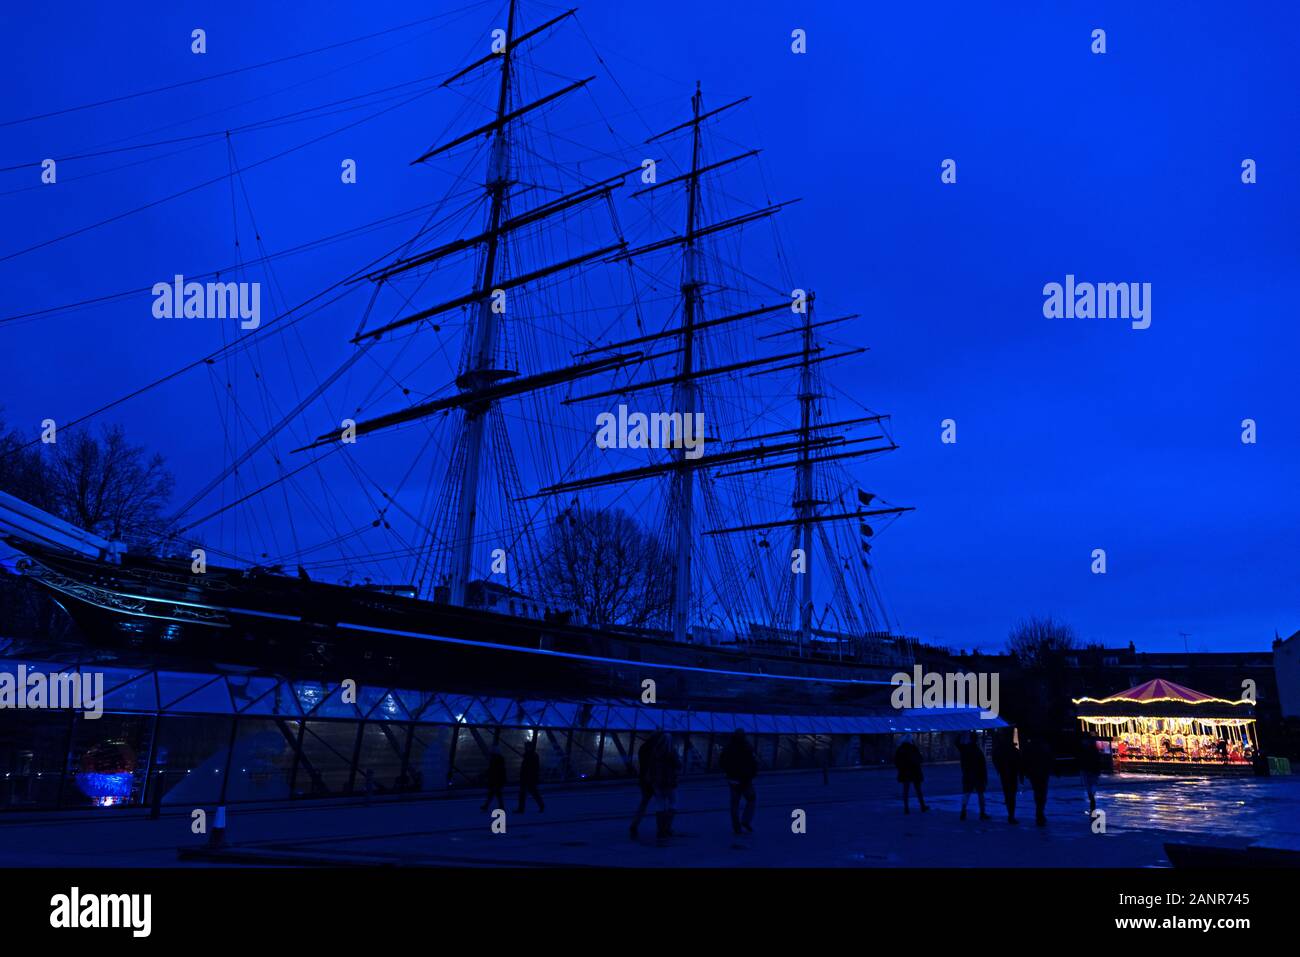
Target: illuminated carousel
[[1162, 726]]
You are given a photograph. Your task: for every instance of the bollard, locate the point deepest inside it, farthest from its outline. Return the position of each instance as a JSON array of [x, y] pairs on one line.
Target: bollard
[[159, 784], [217, 834], [155, 799]]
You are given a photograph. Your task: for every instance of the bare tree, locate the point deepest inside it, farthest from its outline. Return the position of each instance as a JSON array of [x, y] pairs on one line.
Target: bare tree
[[604, 565], [25, 612], [108, 486], [100, 483], [1041, 641], [22, 470], [1042, 645]]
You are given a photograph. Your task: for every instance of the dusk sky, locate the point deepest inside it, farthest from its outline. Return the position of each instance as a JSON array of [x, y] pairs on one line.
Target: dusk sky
[[1072, 434]]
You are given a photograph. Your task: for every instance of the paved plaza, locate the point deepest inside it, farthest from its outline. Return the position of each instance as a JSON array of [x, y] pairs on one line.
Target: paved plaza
[[854, 819]]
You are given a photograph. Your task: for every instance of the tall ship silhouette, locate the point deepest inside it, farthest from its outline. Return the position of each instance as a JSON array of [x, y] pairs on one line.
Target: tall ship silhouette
[[625, 455]]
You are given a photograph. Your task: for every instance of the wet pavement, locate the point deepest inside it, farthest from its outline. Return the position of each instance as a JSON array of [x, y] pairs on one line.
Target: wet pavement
[[855, 819]]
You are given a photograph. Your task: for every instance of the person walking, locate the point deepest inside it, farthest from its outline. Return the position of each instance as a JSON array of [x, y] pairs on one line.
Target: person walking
[[1006, 761], [974, 771], [496, 780], [741, 767], [645, 777], [1038, 768], [1089, 768], [530, 775], [908, 761], [667, 767]]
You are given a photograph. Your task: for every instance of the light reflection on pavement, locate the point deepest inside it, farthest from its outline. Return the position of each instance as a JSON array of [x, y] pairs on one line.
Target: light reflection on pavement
[[1260, 809]]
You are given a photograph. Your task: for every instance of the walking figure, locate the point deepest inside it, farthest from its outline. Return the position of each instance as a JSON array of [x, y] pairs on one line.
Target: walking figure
[[741, 767], [645, 777], [1006, 760], [1038, 768], [368, 776], [908, 761], [1089, 768], [666, 769], [974, 771], [530, 774], [496, 780]]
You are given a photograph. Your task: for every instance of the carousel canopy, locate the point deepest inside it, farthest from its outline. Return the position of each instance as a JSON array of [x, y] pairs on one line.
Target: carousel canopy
[[1159, 689], [1161, 697]]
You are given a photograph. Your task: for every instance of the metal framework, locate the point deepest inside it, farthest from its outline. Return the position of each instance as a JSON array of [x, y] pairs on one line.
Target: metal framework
[[194, 739]]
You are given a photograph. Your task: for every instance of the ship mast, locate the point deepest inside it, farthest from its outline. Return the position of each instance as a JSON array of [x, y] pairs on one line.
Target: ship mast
[[685, 391], [480, 373], [804, 482]]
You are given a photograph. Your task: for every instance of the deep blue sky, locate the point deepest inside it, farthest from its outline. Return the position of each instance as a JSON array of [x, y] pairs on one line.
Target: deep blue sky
[[1072, 435]]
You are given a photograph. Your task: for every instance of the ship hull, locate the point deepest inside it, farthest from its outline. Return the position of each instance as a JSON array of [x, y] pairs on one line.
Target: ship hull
[[157, 611]]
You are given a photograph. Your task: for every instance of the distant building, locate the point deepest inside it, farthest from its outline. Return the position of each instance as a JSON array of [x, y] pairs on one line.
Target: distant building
[[1222, 674], [493, 596], [1286, 668], [1095, 671]]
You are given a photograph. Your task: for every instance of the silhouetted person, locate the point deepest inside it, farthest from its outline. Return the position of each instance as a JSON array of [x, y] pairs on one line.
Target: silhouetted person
[[1089, 768], [666, 768], [741, 767], [496, 780], [974, 771], [368, 777], [908, 761], [530, 774], [1038, 769], [1006, 759], [645, 776], [1260, 764]]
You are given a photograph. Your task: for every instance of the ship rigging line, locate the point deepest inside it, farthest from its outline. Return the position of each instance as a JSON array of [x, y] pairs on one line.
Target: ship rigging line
[[292, 250], [243, 69], [210, 182], [178, 533], [268, 123], [205, 360], [277, 321], [321, 387], [197, 363], [262, 96]]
